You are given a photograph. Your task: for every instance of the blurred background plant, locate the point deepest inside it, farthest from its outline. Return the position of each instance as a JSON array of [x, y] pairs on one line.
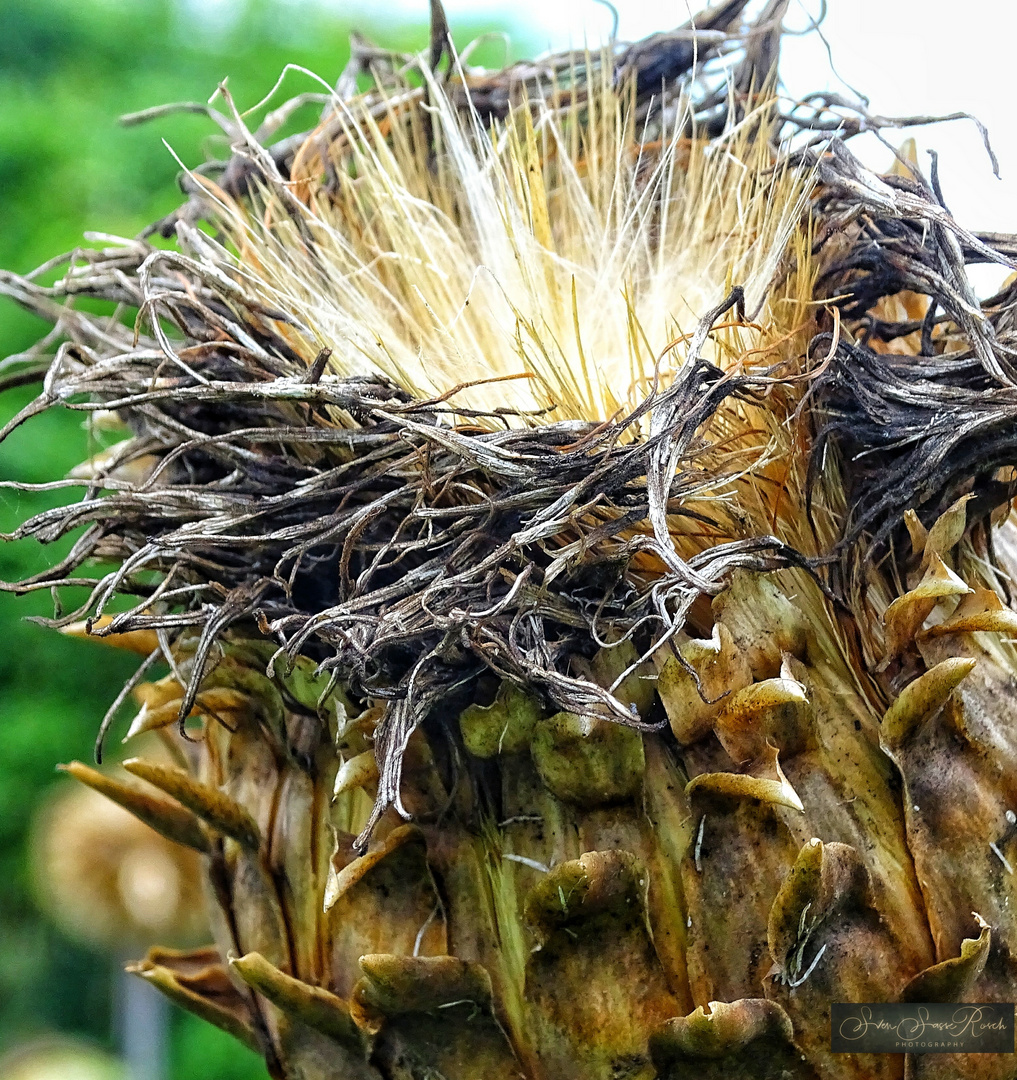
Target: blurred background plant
[[68, 69]]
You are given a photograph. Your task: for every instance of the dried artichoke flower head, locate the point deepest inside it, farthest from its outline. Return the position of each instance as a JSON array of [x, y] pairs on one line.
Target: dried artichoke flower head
[[558, 524]]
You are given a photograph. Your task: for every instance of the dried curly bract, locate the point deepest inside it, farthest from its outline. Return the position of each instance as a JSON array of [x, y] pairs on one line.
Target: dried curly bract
[[489, 370]]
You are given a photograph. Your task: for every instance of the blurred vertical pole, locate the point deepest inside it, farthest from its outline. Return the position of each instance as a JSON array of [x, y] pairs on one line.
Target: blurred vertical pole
[[142, 1028]]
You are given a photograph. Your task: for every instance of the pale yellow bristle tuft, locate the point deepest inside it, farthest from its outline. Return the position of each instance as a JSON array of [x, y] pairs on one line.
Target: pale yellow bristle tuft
[[566, 259]]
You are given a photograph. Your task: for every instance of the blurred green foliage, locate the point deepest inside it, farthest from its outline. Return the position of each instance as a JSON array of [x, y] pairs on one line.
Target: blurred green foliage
[[68, 69]]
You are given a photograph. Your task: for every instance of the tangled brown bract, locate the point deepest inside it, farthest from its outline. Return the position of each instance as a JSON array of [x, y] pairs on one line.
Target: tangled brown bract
[[330, 443]]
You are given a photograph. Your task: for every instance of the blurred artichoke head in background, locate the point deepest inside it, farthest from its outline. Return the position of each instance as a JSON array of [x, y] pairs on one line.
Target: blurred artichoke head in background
[[564, 520], [109, 880], [59, 1059]]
